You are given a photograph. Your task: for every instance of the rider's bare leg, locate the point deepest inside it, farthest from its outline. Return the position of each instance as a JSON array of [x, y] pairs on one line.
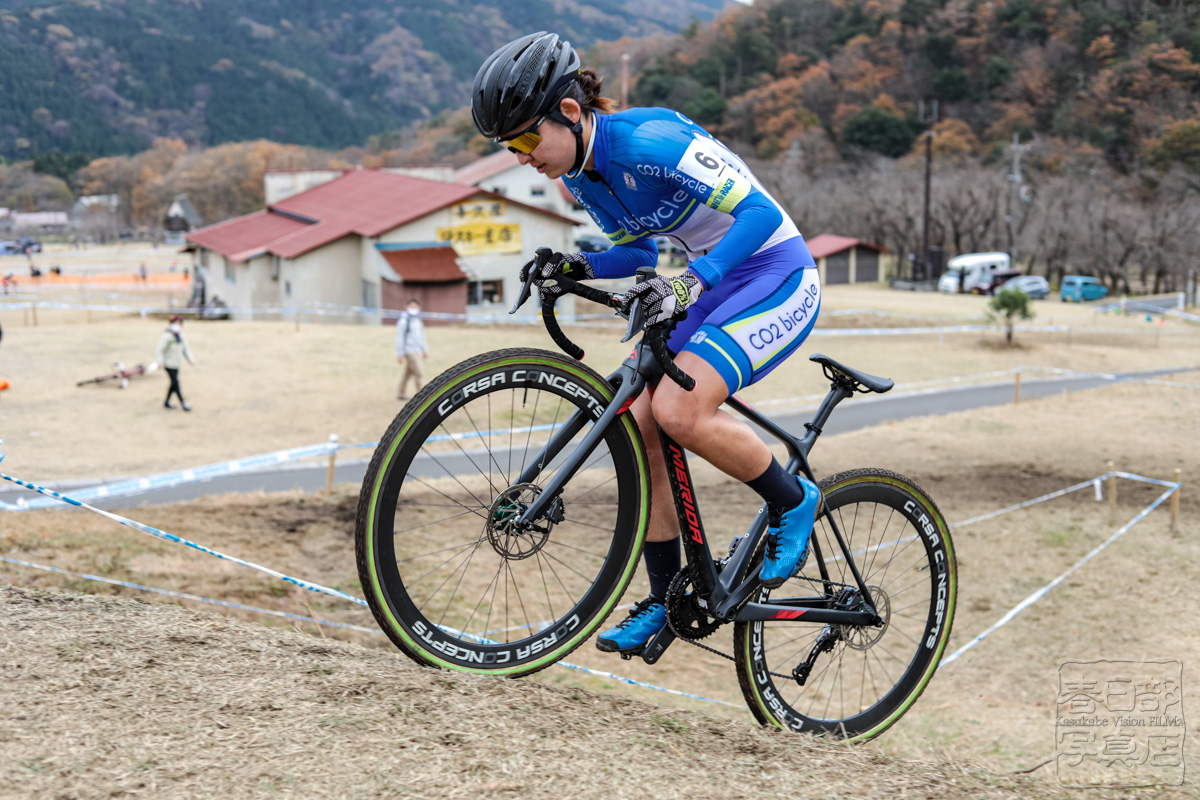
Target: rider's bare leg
[[696, 421]]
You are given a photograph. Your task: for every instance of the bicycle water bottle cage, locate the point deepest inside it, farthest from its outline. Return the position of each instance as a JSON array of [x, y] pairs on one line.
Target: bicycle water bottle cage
[[853, 379]]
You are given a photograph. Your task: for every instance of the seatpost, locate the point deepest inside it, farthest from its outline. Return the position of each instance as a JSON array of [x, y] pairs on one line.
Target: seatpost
[[838, 391]]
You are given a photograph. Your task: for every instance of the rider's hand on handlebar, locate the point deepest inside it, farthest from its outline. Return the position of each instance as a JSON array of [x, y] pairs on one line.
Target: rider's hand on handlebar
[[665, 298], [572, 265]]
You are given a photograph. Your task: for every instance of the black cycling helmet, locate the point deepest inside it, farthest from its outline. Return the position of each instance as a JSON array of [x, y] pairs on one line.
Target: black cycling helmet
[[522, 80]]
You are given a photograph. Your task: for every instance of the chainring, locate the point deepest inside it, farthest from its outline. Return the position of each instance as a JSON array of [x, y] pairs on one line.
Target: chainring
[[687, 618]]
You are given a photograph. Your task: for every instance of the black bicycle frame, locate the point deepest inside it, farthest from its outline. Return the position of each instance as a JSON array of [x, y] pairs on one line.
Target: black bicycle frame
[[724, 592]]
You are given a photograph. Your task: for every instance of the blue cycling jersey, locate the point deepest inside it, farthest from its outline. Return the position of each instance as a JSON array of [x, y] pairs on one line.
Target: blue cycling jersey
[[657, 173]]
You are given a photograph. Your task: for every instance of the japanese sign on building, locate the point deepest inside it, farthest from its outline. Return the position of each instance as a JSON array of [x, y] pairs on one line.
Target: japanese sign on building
[[478, 210], [1120, 724], [483, 237]]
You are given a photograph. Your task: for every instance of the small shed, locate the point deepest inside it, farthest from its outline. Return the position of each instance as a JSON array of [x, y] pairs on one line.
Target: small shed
[[842, 259], [430, 274], [181, 217]]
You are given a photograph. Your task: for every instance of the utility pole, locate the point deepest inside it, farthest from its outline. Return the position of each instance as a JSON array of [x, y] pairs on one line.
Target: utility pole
[[926, 267], [625, 80], [1014, 204]]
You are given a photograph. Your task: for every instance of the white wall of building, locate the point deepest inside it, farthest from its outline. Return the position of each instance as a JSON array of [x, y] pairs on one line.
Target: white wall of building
[[536, 230], [342, 271], [527, 185]]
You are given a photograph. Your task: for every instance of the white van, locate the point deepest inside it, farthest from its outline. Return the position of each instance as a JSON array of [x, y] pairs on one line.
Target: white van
[[973, 270]]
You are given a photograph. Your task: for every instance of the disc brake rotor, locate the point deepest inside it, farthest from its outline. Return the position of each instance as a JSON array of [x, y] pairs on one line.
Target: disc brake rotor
[[862, 637], [510, 540]]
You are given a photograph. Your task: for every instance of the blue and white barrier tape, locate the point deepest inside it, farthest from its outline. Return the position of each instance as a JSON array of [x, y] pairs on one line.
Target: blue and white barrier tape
[[1040, 593], [170, 537], [168, 480], [197, 598], [1094, 482]]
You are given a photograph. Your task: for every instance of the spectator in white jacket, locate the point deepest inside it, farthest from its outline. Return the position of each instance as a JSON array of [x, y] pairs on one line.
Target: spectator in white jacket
[[410, 348], [172, 349]]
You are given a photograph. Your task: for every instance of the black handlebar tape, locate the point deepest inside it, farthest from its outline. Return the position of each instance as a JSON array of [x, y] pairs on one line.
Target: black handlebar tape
[[572, 286], [556, 332], [657, 339]]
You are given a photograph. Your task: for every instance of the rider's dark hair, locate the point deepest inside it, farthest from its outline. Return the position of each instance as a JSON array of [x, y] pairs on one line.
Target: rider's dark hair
[[586, 91]]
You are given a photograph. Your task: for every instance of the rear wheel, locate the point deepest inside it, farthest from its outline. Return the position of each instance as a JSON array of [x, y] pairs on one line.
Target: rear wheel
[[860, 679], [450, 576]]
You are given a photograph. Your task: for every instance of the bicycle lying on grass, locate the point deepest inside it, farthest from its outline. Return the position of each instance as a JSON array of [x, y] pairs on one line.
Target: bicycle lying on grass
[[503, 514], [122, 374]]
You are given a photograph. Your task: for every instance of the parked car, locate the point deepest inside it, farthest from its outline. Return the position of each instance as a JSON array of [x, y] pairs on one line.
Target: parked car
[[8, 249], [1081, 288], [1037, 287], [990, 283], [592, 243], [28, 244]]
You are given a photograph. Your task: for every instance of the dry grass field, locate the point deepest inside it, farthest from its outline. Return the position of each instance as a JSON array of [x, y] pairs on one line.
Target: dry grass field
[[265, 386], [108, 695]]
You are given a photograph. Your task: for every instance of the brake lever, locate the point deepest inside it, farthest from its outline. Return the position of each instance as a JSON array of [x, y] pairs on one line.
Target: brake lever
[[541, 256], [637, 320]]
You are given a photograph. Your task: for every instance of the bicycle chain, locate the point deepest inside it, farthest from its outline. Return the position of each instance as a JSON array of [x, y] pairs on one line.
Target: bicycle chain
[[717, 652]]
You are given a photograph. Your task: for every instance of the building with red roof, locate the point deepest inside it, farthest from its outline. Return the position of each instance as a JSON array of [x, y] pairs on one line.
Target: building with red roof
[[342, 241], [842, 259]]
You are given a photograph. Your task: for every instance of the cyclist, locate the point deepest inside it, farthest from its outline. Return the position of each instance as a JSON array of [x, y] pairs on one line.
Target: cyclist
[[748, 299]]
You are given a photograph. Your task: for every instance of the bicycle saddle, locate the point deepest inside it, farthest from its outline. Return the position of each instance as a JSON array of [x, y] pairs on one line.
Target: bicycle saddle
[[871, 382]]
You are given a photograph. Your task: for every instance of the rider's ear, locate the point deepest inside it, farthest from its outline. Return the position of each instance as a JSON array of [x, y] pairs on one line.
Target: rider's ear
[[571, 109]]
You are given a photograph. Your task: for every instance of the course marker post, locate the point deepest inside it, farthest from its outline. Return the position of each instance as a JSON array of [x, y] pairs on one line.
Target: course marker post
[[1175, 500], [1017, 387], [332, 463]]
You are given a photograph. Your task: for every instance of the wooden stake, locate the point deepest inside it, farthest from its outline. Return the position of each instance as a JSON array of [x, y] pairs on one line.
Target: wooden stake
[[316, 621], [1112, 491], [1017, 389], [332, 463], [1175, 502]]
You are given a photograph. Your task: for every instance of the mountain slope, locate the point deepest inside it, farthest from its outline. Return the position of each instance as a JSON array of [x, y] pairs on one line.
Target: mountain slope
[[106, 76]]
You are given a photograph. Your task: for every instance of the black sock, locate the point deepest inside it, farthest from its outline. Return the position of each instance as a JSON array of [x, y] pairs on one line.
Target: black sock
[[778, 487], [662, 563]]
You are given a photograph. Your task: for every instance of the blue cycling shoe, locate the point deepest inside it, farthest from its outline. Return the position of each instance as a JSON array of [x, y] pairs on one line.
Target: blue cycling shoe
[[787, 537], [634, 632]]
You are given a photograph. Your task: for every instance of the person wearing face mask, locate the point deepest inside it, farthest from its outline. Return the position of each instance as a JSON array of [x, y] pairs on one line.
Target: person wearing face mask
[[410, 348], [172, 349], [747, 301]]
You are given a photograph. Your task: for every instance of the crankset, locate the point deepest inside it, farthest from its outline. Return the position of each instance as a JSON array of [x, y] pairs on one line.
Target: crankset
[[687, 612]]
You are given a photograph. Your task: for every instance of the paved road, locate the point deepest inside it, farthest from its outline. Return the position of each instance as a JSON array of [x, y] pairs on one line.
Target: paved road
[[858, 412]]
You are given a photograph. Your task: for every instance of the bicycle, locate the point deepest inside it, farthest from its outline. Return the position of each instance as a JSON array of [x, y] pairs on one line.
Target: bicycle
[[122, 374], [503, 514]]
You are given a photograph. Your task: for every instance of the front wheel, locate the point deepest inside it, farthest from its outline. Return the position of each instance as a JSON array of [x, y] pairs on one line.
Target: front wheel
[[860, 679], [450, 575]]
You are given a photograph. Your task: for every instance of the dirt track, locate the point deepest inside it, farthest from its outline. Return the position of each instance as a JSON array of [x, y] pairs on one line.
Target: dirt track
[[134, 699]]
